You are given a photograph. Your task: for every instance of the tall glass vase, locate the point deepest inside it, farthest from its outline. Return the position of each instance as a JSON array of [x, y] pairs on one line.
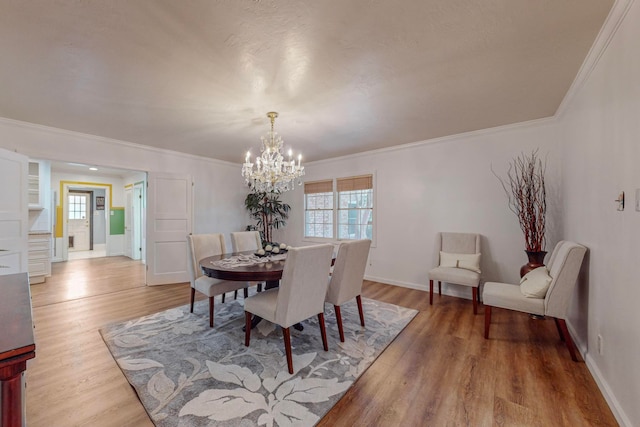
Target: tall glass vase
[[536, 259]]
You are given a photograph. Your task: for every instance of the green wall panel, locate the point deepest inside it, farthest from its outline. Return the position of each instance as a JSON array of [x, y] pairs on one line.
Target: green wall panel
[[116, 225]]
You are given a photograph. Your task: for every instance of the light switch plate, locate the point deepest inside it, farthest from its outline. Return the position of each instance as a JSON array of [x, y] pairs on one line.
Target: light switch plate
[[638, 199]]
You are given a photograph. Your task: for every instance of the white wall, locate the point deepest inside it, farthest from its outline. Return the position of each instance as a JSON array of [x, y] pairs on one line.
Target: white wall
[[601, 157], [219, 189], [444, 185]]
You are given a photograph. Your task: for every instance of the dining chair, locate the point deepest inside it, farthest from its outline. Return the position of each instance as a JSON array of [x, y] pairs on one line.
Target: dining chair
[[346, 279], [563, 269], [203, 246], [301, 295], [459, 263], [247, 241]]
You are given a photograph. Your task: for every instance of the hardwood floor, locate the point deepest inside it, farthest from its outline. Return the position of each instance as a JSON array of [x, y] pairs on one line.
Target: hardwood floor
[[439, 371]]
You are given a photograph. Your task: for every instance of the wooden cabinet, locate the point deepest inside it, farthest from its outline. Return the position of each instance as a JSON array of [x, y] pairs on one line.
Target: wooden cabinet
[[39, 257]]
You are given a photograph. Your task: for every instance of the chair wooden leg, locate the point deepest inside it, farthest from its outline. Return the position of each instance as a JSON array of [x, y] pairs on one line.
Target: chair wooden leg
[[223, 298], [287, 348], [487, 320], [247, 328], [259, 287], [235, 294], [211, 312], [193, 297], [567, 339], [430, 292], [246, 292], [475, 300], [323, 331], [359, 301], [439, 287], [559, 330], [339, 321]]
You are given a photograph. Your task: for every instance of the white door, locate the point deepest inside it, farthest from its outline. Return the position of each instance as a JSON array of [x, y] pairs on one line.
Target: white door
[[169, 217], [14, 212], [78, 221], [136, 221], [128, 223]]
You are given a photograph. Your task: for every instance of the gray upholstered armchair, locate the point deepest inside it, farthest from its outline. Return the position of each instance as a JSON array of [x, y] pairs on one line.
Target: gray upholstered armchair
[[563, 269], [458, 263]]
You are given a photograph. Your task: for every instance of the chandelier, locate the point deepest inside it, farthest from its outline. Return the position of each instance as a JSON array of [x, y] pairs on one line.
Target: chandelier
[[271, 173]]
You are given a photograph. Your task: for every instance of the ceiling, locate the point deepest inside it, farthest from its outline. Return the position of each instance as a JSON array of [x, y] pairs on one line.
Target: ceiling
[[199, 76]]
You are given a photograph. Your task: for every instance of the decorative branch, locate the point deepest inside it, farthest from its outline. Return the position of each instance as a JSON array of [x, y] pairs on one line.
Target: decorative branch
[[526, 194]]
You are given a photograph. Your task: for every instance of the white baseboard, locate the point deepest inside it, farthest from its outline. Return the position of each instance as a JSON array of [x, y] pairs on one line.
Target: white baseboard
[[447, 289]]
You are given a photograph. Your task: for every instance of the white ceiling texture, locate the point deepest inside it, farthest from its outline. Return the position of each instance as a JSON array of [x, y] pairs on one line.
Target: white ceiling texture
[[199, 76]]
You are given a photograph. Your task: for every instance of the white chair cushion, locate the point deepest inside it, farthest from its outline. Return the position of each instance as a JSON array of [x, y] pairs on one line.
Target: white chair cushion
[[459, 276], [263, 304], [508, 296], [212, 287], [466, 261], [535, 283]]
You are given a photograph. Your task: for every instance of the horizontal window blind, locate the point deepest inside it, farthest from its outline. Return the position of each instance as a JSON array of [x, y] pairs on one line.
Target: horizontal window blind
[[318, 187], [363, 182]]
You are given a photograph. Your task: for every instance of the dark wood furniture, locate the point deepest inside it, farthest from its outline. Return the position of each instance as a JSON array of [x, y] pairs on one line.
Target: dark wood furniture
[[17, 344]]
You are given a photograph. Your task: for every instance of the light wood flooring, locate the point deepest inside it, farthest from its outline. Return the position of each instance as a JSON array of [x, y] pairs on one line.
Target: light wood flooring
[[439, 371]]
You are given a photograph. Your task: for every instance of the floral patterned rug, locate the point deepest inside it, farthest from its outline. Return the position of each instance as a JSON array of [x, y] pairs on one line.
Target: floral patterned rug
[[187, 374]]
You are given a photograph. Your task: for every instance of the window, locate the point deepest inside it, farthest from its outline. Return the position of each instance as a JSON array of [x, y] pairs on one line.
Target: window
[[350, 218], [77, 207], [355, 207], [318, 210]]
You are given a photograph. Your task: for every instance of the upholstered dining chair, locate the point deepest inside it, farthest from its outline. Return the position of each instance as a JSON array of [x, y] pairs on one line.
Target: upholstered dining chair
[[203, 246], [563, 269], [458, 263], [346, 279], [247, 241], [301, 294]]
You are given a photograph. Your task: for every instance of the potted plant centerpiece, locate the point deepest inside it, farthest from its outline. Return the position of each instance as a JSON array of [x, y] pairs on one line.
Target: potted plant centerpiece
[[524, 186], [268, 211]]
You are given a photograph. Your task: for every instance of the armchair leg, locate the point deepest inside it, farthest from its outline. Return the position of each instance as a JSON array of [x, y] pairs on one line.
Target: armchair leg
[[475, 300], [567, 338], [287, 348], [559, 330], [193, 297], [323, 331], [487, 321], [439, 287], [430, 292], [260, 287], [211, 312], [359, 301], [223, 298], [339, 321], [246, 292], [247, 328]]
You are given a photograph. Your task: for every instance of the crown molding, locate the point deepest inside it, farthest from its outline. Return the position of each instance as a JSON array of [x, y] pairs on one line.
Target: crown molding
[[442, 139], [599, 46], [101, 139]]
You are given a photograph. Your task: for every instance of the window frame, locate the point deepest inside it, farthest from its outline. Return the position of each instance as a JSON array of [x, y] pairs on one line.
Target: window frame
[[335, 239]]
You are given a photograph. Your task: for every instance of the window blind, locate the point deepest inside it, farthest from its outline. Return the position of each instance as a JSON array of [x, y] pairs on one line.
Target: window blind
[[363, 182], [318, 187]]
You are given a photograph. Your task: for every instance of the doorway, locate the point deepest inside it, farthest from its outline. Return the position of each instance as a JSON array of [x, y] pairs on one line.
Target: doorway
[[80, 220]]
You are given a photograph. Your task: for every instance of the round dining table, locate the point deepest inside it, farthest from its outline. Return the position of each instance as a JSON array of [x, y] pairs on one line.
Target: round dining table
[[269, 272]]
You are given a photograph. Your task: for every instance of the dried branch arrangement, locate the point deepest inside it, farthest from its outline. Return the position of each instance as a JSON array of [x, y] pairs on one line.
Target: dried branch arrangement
[[525, 190]]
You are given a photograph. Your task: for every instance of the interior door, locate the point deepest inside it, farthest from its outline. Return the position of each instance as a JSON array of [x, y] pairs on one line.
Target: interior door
[[14, 212], [79, 221], [169, 219]]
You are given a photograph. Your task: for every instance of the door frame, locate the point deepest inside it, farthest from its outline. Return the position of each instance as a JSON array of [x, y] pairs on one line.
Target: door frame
[[65, 188], [89, 213]]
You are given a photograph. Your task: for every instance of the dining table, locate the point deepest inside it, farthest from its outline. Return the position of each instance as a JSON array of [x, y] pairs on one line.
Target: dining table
[[247, 266]]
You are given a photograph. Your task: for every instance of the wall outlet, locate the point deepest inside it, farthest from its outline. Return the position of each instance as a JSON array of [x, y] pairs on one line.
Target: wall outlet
[[600, 345]]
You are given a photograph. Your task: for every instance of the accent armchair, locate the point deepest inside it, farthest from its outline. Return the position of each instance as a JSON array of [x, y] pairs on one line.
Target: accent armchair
[[563, 269], [459, 263]]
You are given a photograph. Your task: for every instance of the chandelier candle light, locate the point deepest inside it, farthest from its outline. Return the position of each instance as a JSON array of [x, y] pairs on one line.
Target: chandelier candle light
[[272, 173]]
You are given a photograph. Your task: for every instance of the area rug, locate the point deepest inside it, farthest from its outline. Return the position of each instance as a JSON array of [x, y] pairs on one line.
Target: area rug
[[187, 374]]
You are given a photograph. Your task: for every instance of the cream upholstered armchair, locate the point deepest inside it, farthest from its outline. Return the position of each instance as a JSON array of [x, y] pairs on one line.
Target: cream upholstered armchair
[[560, 276], [459, 263], [346, 280], [301, 294], [247, 241], [203, 246]]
